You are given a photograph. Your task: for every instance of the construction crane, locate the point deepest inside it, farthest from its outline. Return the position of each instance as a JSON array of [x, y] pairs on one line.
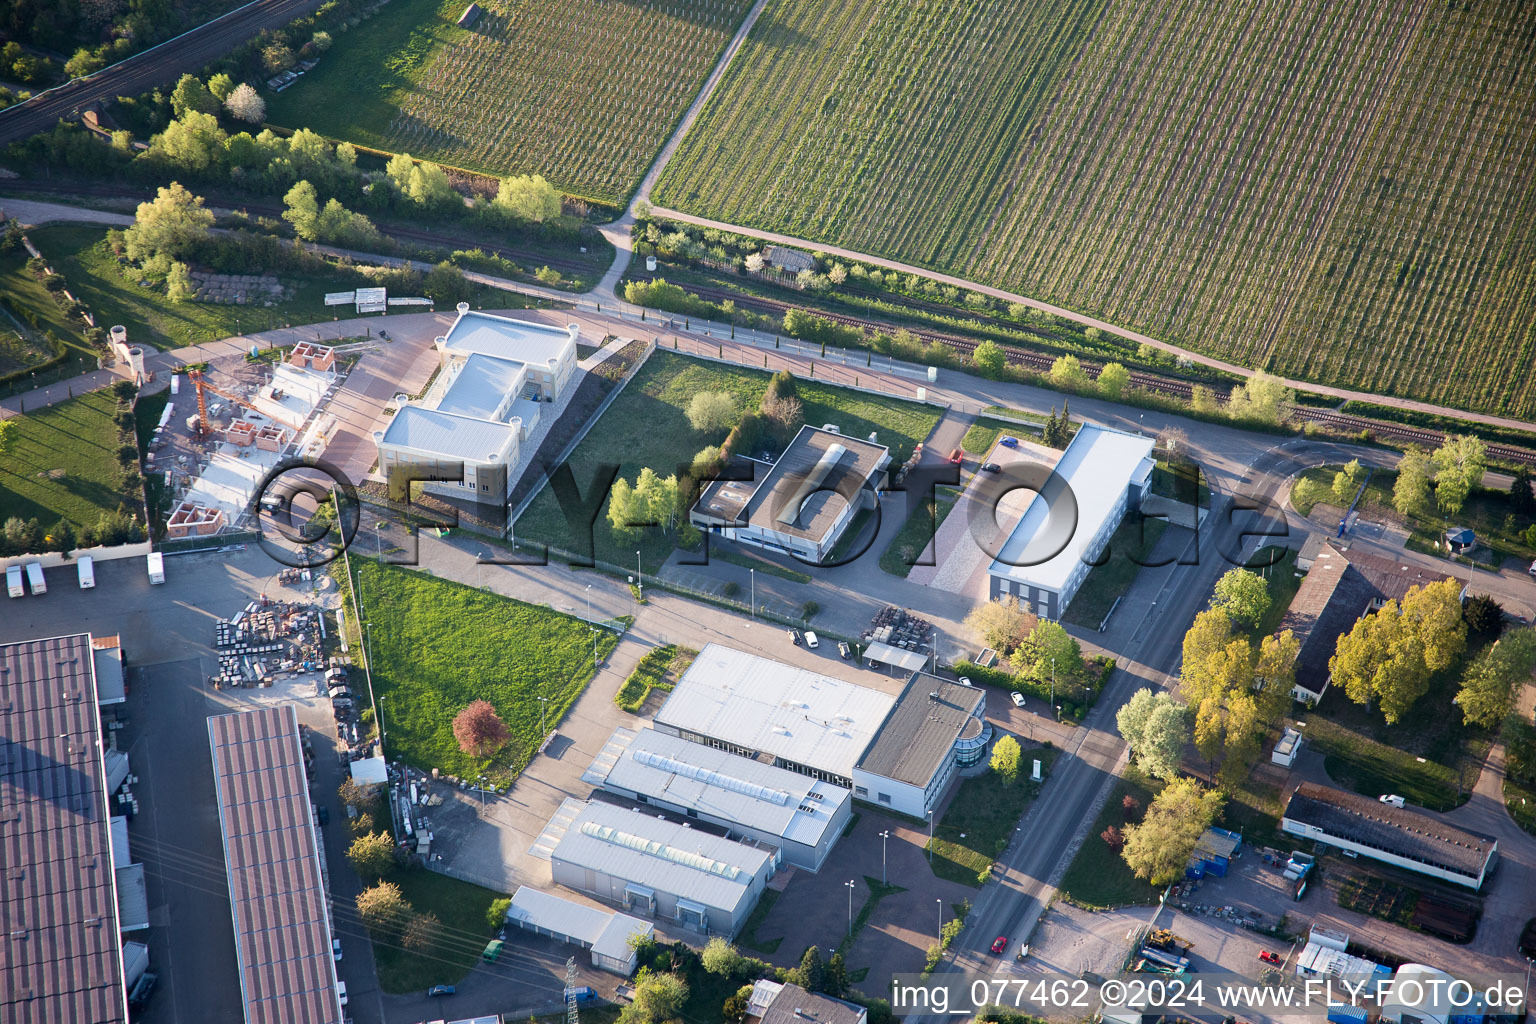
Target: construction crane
[[204, 428]]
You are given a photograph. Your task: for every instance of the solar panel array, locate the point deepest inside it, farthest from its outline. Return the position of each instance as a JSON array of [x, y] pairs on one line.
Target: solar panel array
[[282, 921]]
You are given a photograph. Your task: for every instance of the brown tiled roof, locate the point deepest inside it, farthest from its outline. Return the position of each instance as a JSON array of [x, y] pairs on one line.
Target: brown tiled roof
[[1409, 834], [62, 953], [282, 924]]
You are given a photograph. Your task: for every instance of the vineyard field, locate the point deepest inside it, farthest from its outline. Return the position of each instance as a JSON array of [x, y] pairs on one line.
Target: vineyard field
[[1343, 192], [583, 92]]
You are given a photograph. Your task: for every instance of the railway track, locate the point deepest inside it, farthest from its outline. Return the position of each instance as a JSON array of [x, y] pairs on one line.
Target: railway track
[[566, 265], [1172, 386]]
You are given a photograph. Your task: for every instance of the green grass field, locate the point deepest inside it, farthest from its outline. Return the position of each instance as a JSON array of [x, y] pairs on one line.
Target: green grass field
[[981, 818], [902, 553], [21, 345], [59, 463], [1097, 876], [81, 254], [437, 645], [1035, 147], [461, 908], [1129, 547], [584, 93], [648, 425]]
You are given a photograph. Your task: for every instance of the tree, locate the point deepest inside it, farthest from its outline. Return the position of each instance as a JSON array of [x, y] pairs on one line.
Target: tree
[[340, 226], [1243, 594], [383, 909], [1460, 464], [1262, 398], [479, 729], [1001, 624], [496, 913], [1235, 692], [1522, 500], [838, 274], [372, 856], [720, 957], [734, 1009], [276, 58], [1158, 848], [1490, 684], [1390, 654], [990, 358], [422, 933], [527, 198], [657, 998], [302, 210], [1050, 648], [244, 102], [1129, 807], [221, 85], [1113, 379], [1155, 727], [712, 411], [1114, 838], [173, 223], [811, 975], [1410, 495], [785, 415], [1068, 374], [178, 282], [1483, 615], [1346, 482], [1007, 758], [446, 285], [191, 94]]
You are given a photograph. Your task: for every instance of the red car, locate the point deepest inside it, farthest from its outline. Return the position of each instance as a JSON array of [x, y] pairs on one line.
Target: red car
[[1000, 944], [1270, 958]]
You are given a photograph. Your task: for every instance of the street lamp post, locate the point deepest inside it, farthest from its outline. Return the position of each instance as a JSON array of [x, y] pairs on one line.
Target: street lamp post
[[543, 724], [480, 570], [849, 883], [752, 582], [941, 918], [1053, 682], [482, 789], [591, 628], [930, 837], [883, 837], [378, 539]]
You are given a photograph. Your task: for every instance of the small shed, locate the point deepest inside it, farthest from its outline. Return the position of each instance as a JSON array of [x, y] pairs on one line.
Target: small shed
[[470, 16], [1213, 853], [1286, 750], [1460, 538], [791, 261]]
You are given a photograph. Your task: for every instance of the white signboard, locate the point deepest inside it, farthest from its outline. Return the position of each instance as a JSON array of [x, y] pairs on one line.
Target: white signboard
[[340, 298], [410, 302]]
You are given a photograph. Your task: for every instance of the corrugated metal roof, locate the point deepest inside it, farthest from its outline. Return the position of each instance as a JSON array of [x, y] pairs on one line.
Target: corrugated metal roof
[[448, 435], [110, 687], [66, 962], [819, 474], [481, 384], [586, 845], [921, 730], [763, 705], [282, 922], [132, 898], [1098, 466], [719, 784], [605, 931], [1380, 826], [502, 336]]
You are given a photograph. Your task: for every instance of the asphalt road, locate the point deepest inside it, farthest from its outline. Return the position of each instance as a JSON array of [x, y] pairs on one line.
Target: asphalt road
[[157, 66]]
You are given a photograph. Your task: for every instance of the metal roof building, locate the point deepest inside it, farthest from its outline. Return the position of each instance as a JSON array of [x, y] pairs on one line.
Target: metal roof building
[[655, 868], [604, 933], [1048, 554], [63, 957], [1393, 835], [750, 705], [935, 728], [277, 891], [800, 816]]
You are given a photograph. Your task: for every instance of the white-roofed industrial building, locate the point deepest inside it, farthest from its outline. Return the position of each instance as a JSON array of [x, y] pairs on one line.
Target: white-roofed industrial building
[[750, 705], [800, 816], [470, 425], [656, 868], [1049, 553], [603, 933]]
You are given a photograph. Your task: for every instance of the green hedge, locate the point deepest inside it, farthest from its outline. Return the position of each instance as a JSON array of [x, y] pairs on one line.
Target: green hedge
[[1075, 695], [650, 674]]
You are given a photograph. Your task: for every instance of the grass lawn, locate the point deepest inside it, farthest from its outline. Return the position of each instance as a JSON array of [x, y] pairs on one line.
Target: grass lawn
[[23, 346], [1520, 772], [60, 463], [1181, 481], [1253, 808], [461, 907], [1097, 876], [437, 645], [748, 937], [981, 818], [1430, 756], [903, 550], [1131, 545], [648, 425], [983, 434], [1283, 584]]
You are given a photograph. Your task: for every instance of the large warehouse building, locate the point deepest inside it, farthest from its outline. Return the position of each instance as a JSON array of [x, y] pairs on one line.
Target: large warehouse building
[[936, 728], [799, 816], [1406, 839], [1050, 551], [277, 888], [655, 868], [754, 706]]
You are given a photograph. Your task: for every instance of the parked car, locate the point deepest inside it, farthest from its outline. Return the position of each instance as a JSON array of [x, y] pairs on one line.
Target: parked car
[[1270, 958], [336, 949], [956, 456], [843, 650], [1392, 798], [794, 635], [1533, 569], [323, 813], [341, 992], [441, 990], [810, 639], [1017, 698], [1000, 944], [991, 467], [142, 989], [1008, 441], [965, 680]]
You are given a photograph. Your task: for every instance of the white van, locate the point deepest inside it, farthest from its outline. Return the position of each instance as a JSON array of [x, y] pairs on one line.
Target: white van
[[87, 569], [156, 562], [35, 578], [13, 581]]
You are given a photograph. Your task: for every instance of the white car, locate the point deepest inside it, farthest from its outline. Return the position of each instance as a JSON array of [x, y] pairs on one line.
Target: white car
[[811, 641], [1017, 698], [336, 949]]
